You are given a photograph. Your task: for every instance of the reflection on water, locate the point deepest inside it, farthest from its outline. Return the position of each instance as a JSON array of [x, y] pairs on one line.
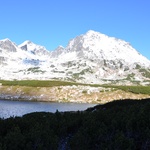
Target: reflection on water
[[19, 108]]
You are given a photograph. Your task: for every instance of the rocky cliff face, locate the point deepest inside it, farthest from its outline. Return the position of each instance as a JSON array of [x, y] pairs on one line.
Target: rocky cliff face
[[89, 58], [8, 46]]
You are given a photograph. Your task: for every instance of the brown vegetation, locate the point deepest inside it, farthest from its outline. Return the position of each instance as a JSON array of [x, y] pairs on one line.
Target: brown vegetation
[[74, 93]]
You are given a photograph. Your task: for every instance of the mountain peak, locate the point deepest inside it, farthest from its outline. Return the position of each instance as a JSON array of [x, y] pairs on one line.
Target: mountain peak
[[8, 45], [33, 48], [95, 45], [6, 39], [27, 42], [94, 33]]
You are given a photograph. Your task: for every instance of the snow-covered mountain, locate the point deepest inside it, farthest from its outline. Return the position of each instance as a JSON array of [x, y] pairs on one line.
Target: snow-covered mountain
[[89, 58], [34, 48]]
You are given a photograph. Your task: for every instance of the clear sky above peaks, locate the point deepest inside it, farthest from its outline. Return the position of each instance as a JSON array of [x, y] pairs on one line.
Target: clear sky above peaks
[[54, 22]]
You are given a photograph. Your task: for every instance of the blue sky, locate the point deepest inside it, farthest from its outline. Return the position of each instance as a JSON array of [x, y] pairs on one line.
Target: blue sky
[[54, 22]]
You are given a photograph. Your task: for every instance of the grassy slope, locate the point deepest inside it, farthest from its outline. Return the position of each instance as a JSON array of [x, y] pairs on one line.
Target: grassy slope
[[48, 83], [36, 83]]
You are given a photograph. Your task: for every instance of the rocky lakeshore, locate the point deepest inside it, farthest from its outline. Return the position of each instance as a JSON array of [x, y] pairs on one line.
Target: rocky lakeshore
[[74, 93]]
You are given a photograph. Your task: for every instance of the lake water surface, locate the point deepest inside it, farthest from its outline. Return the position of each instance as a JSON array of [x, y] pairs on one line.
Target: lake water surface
[[19, 108]]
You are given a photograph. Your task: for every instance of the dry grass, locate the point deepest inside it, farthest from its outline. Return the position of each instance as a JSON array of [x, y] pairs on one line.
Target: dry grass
[[79, 94]]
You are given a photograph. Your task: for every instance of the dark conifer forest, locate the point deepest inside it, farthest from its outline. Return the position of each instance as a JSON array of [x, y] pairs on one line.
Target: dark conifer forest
[[118, 125]]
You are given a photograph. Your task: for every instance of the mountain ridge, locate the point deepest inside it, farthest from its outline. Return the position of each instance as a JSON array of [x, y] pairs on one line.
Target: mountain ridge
[[92, 57]]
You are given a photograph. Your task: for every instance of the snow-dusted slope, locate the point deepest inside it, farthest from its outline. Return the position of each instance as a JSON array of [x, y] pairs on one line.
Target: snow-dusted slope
[[15, 62], [90, 58], [94, 45], [34, 48]]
